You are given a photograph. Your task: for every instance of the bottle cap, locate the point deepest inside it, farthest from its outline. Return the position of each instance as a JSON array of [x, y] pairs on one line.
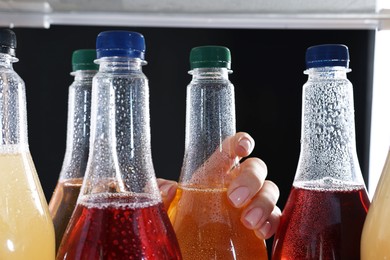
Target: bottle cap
[[210, 57], [7, 42], [84, 60], [120, 44], [327, 55]]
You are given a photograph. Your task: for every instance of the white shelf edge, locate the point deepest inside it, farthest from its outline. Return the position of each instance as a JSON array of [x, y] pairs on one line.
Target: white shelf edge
[[380, 20], [22, 19]]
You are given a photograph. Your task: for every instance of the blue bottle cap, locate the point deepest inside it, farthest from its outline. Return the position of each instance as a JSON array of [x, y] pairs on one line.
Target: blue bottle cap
[[120, 44], [327, 55]]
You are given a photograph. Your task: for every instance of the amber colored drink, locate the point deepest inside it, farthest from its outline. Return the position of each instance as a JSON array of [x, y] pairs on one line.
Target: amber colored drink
[[62, 204], [119, 226], [375, 243], [208, 227], [321, 224]]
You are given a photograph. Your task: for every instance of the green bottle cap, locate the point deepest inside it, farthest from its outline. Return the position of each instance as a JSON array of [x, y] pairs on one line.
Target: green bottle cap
[[84, 60], [210, 57]]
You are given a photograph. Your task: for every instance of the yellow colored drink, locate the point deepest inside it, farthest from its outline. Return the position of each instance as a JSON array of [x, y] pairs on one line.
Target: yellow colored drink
[[208, 227], [26, 229], [375, 242]]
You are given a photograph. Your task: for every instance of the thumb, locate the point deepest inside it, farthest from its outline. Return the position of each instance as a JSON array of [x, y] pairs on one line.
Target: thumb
[[168, 191], [231, 151]]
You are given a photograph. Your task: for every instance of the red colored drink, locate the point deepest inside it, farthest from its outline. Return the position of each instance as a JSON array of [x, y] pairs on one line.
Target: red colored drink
[[321, 224], [117, 226]]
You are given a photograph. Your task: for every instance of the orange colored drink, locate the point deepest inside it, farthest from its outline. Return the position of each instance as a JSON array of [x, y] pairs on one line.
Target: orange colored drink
[[62, 204], [208, 227]]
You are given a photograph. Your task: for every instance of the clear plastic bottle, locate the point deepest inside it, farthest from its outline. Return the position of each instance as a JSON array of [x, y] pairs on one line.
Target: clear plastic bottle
[[206, 224], [119, 212], [324, 214], [26, 229], [376, 232], [65, 195]]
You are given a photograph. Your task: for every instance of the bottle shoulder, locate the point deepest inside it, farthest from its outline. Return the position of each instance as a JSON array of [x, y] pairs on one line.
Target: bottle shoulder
[[210, 82], [120, 74], [328, 79], [8, 74], [327, 83], [81, 84]]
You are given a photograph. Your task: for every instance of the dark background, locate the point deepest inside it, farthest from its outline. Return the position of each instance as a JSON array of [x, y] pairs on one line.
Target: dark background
[[267, 73]]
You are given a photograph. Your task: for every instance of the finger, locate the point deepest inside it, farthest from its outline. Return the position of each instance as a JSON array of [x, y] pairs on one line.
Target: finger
[[260, 208], [270, 226], [168, 191], [250, 179], [232, 149], [243, 145]]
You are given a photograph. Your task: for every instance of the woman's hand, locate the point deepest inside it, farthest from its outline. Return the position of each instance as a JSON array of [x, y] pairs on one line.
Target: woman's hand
[[249, 190]]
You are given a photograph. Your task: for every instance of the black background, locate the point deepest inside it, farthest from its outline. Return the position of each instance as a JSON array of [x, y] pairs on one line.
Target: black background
[[267, 73]]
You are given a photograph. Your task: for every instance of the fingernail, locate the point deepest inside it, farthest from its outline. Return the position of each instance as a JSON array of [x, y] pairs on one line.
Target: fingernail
[[245, 144], [254, 216], [264, 230], [239, 196]]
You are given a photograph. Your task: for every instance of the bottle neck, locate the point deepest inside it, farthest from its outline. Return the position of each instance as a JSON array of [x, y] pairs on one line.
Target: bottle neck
[[210, 74], [328, 148], [13, 120], [6, 61], [324, 73], [78, 129], [210, 121], [120, 149], [120, 64], [83, 75]]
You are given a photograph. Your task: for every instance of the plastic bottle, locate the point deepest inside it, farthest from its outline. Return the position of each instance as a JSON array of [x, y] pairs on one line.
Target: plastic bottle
[[65, 195], [325, 211], [206, 224], [376, 232], [119, 212], [26, 229]]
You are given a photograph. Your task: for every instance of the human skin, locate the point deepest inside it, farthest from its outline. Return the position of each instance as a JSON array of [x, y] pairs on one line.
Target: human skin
[[248, 191]]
